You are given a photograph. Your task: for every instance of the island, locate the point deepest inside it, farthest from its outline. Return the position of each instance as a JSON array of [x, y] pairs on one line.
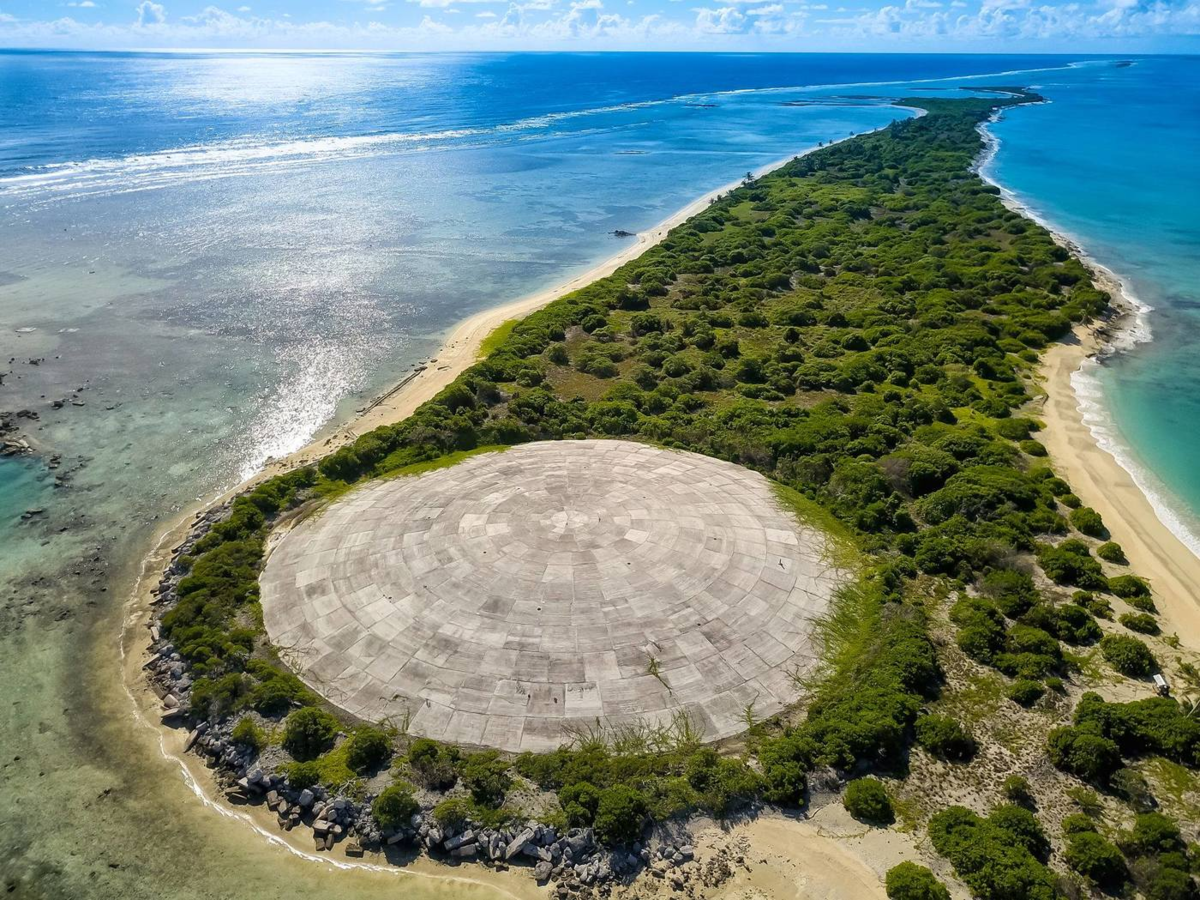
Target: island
[[759, 522]]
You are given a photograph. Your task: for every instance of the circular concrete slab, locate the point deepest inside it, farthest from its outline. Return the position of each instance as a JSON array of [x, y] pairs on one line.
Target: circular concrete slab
[[520, 597]]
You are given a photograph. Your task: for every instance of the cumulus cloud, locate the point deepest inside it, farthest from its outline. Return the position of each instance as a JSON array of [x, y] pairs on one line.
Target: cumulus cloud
[[150, 14]]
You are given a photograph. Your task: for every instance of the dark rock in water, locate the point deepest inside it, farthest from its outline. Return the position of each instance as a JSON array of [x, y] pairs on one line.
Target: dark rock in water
[[622, 233]]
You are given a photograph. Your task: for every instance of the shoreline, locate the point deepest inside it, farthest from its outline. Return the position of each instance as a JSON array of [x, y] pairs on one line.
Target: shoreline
[[1097, 475], [459, 350]]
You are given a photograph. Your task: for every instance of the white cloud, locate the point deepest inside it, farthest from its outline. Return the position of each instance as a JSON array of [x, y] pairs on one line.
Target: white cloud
[[149, 13], [83, 4], [723, 20]]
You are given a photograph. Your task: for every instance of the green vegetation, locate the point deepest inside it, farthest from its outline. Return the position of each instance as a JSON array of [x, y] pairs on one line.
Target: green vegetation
[[945, 738], [247, 733], [997, 857], [308, 733], [1096, 859], [867, 800], [1128, 655], [496, 339], [1110, 551], [368, 748], [1018, 790], [859, 327], [1087, 521], [908, 881], [395, 806], [620, 814], [1142, 623]]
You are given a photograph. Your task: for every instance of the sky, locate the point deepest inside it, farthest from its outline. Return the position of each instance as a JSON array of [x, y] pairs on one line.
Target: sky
[[972, 26]]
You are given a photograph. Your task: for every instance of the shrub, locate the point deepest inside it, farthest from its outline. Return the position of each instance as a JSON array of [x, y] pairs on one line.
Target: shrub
[[1128, 655], [867, 800], [1096, 859], [248, 734], [1128, 586], [1087, 521], [367, 748], [908, 881], [1084, 754], [1023, 827], [994, 862], [1077, 823], [1142, 623], [433, 764], [485, 775], [395, 806], [1110, 551], [944, 738], [1017, 789], [620, 814], [454, 813], [1071, 563], [1153, 725], [579, 802], [1153, 834], [308, 733], [1026, 692], [301, 775]]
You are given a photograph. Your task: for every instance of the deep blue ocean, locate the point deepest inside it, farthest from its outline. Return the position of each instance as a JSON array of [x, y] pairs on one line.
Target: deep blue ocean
[[210, 258]]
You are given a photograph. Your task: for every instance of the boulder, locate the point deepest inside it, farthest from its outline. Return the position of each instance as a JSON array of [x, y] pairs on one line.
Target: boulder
[[453, 843], [354, 849], [465, 851], [542, 872], [517, 844], [306, 798]]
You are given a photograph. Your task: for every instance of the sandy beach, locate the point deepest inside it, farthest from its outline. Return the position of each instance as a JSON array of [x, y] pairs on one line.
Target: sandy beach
[[1103, 484], [1095, 475]]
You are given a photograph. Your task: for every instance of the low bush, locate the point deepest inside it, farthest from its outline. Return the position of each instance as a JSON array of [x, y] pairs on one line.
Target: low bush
[[1154, 725], [1110, 551], [301, 775], [1096, 859], [485, 775], [994, 862], [1026, 692], [620, 814], [1142, 623], [1128, 586], [453, 812], [367, 748], [1084, 754], [433, 765], [579, 803], [867, 800], [395, 806], [1022, 825], [1128, 655], [309, 732], [909, 881], [248, 734], [1087, 521], [1017, 789], [945, 738]]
